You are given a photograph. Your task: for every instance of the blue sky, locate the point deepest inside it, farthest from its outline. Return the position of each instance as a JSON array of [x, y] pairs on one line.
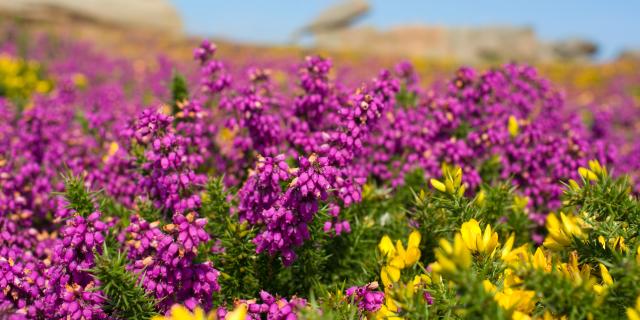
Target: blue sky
[[613, 24]]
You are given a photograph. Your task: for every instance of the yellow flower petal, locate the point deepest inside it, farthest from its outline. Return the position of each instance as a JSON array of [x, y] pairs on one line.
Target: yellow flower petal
[[506, 248], [517, 315], [414, 239], [598, 289], [239, 313], [412, 256], [394, 273], [587, 174], [574, 185], [398, 262], [602, 242], [513, 126], [384, 277], [179, 312], [488, 286], [386, 246], [633, 314], [489, 240], [470, 231], [606, 277], [540, 260], [400, 249], [438, 185]]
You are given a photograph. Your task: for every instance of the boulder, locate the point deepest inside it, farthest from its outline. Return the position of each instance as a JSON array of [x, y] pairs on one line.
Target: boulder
[[463, 44], [469, 45], [155, 15], [336, 17], [629, 54], [574, 49]]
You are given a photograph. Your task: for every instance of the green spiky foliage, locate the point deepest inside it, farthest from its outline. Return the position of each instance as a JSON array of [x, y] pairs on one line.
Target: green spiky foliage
[[352, 259], [499, 205], [439, 214], [148, 211], [332, 305], [607, 203], [463, 130], [561, 296], [490, 170], [611, 216], [309, 269], [463, 297], [79, 198], [406, 98], [238, 262], [179, 91], [125, 297], [216, 205]]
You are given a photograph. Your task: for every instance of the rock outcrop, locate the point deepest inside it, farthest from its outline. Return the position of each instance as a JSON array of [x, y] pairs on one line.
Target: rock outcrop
[[629, 54], [333, 29], [153, 15], [340, 16], [468, 45]]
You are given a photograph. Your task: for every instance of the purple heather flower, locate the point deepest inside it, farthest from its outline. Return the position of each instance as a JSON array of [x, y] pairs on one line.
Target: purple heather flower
[[165, 260], [366, 298]]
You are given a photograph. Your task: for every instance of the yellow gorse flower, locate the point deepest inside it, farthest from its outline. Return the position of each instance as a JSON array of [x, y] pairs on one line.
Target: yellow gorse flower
[[520, 256], [239, 313], [577, 274], [475, 240], [563, 230], [480, 197], [386, 246], [397, 257], [179, 312], [594, 172], [20, 78], [520, 202], [451, 258], [596, 168], [79, 80], [634, 313], [607, 280], [573, 185], [517, 315], [513, 126], [587, 174], [113, 148], [438, 185], [388, 311], [548, 316], [421, 279], [541, 260], [519, 301], [452, 183], [616, 244]]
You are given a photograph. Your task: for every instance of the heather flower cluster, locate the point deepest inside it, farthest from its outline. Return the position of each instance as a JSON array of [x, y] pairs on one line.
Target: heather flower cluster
[[366, 297], [166, 259], [135, 189], [167, 170], [269, 307]]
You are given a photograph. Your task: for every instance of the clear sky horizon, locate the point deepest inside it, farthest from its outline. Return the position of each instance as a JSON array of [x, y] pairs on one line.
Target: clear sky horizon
[[614, 25]]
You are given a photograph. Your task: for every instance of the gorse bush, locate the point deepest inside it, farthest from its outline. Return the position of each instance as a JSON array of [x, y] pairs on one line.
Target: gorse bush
[[134, 191]]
